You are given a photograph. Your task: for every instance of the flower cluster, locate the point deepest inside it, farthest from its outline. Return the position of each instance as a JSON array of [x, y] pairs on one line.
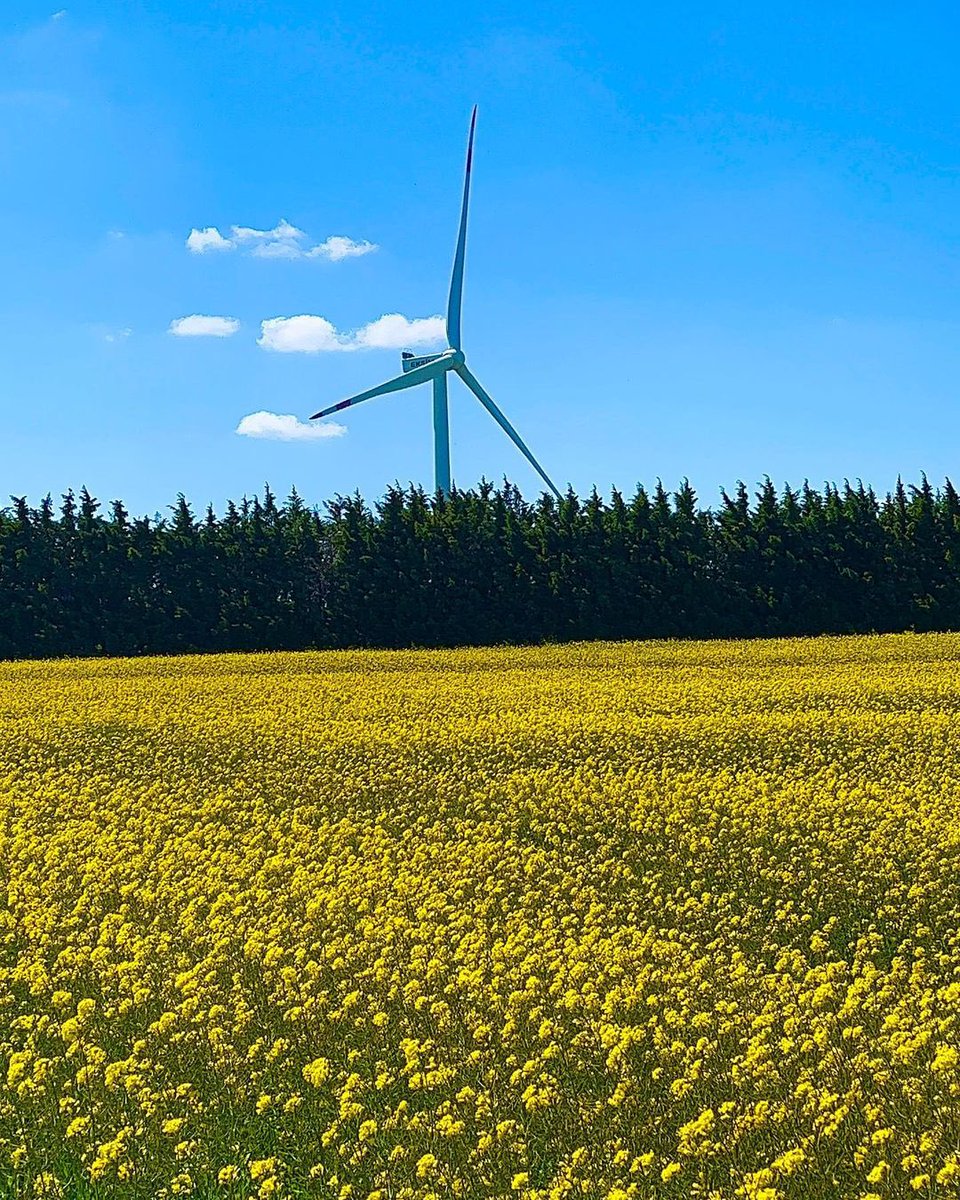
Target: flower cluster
[[615, 921]]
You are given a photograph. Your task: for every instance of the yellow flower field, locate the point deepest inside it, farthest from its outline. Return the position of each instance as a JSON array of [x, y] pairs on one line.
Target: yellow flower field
[[660, 920]]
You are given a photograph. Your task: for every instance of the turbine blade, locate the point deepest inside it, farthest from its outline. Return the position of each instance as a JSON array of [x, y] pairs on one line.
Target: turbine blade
[[456, 279], [473, 384], [410, 379]]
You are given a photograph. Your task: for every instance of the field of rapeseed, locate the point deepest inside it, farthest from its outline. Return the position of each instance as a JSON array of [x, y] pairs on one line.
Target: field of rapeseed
[[659, 920]]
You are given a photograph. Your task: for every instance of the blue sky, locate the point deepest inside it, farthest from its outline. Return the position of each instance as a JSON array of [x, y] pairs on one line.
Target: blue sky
[[712, 241]]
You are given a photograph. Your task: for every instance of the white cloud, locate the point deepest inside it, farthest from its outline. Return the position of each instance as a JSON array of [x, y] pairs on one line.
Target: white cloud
[[117, 335], [337, 248], [198, 326], [316, 335], [393, 331], [304, 335], [283, 231], [285, 249], [284, 427], [58, 15], [283, 241], [200, 241]]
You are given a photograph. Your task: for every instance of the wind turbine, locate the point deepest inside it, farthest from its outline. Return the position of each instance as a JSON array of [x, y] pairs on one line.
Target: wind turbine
[[417, 369]]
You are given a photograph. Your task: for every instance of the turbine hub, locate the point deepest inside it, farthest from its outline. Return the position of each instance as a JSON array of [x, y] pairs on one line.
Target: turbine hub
[[456, 357]]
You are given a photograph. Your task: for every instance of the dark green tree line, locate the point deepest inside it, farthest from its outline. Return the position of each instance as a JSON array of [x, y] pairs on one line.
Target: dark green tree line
[[479, 567]]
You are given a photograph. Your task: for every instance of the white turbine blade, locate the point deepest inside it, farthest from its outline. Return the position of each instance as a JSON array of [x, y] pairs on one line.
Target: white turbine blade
[[410, 379], [456, 279], [473, 384]]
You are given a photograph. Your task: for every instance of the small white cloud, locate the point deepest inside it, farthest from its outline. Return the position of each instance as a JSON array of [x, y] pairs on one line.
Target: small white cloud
[[316, 335], [284, 427], [283, 241], [334, 249], [283, 231], [299, 335], [200, 241], [58, 15], [117, 335], [277, 250], [198, 326], [394, 331]]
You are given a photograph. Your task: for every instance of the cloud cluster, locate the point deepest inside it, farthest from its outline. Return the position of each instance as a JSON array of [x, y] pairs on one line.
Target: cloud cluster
[[284, 427], [283, 241], [308, 334], [201, 241], [316, 335], [304, 334], [199, 326]]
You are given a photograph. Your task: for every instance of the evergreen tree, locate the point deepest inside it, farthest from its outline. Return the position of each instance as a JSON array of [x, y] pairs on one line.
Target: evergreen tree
[[477, 567]]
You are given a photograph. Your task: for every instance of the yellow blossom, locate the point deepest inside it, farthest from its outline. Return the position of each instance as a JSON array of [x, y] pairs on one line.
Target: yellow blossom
[[679, 912]]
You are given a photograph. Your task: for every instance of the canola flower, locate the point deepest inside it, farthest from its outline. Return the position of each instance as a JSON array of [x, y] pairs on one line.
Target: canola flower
[[616, 921]]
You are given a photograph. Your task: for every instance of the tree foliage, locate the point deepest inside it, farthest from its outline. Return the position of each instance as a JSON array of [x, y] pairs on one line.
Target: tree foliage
[[479, 567]]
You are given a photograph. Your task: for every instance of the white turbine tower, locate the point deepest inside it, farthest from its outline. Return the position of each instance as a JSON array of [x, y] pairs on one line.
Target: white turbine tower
[[435, 367]]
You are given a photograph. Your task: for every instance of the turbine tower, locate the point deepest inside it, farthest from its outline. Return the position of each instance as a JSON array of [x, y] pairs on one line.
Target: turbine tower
[[417, 369]]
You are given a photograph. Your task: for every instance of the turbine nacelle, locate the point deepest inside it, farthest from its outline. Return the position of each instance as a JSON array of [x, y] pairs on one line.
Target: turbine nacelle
[[410, 361]]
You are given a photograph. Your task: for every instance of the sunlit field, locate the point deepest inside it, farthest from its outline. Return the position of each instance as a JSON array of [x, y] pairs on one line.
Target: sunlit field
[[659, 920]]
